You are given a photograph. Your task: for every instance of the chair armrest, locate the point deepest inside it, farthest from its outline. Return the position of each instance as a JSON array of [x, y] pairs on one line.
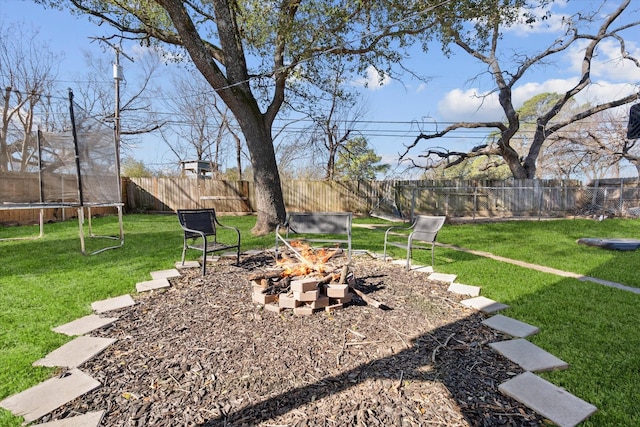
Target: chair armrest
[[396, 227], [191, 230], [228, 227]]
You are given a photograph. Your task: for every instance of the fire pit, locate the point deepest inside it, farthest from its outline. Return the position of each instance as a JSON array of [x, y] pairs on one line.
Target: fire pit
[[305, 280]]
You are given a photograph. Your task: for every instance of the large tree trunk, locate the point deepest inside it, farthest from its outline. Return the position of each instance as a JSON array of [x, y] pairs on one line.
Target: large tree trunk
[[234, 89], [266, 179]]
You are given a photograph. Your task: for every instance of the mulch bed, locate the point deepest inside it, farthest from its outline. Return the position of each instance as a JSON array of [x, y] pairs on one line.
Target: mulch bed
[[202, 354]]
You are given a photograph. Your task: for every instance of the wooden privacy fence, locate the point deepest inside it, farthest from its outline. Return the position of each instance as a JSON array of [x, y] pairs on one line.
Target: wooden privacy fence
[[489, 198], [28, 189], [482, 199], [170, 194], [392, 198]]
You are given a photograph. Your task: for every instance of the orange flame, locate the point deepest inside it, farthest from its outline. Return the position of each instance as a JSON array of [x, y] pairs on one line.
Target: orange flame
[[314, 260]]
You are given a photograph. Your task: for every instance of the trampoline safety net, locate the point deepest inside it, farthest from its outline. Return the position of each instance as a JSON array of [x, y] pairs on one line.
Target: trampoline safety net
[[63, 170]]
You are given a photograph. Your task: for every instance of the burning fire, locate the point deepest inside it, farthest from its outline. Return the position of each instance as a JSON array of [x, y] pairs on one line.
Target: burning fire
[[312, 260]]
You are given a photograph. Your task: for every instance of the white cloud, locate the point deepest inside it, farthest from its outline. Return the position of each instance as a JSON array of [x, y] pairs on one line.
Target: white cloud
[[472, 105], [603, 91], [374, 79], [547, 21], [469, 105], [529, 90], [609, 63]]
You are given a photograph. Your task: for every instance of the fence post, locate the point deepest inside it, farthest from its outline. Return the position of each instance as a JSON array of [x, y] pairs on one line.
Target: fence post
[[475, 201], [620, 203], [540, 200], [413, 202]]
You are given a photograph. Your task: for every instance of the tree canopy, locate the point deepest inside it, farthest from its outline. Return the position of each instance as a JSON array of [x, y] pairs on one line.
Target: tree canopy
[[356, 160], [249, 51]]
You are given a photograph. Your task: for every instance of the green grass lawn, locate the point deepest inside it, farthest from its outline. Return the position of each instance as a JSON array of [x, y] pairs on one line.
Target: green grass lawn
[[48, 282]]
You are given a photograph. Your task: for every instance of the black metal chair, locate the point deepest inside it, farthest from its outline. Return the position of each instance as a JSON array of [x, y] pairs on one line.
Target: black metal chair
[[201, 233], [423, 230]]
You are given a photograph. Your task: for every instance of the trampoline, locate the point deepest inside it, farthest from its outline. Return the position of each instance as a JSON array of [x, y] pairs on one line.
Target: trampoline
[[76, 169]]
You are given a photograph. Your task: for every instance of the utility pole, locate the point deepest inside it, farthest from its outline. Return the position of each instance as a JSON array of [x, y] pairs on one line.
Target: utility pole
[[117, 76]]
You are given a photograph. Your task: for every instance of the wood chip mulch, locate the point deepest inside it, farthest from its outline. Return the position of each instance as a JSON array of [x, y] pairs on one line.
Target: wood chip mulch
[[200, 353]]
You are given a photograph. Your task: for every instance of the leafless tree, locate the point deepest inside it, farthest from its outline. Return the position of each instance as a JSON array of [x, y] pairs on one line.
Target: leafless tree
[[200, 127], [28, 69], [523, 164], [334, 112], [95, 92], [595, 147]]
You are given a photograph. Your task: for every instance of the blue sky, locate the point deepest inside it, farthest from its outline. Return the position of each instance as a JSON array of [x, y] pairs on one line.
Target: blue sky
[[397, 109]]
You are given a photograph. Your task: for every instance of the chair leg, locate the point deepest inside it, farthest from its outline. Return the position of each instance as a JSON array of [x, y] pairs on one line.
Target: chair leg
[[408, 267], [433, 255], [204, 259]]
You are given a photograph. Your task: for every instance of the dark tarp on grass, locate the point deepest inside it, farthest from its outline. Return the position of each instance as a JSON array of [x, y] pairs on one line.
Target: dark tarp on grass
[[613, 244]]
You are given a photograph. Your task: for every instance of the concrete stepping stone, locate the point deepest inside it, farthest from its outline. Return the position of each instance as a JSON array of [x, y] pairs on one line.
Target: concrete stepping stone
[[529, 356], [165, 274], [151, 285], [49, 395], [252, 252], [112, 303], [484, 304], [90, 419], [510, 326], [76, 352], [187, 264], [422, 269], [460, 289], [442, 277], [84, 325], [550, 401]]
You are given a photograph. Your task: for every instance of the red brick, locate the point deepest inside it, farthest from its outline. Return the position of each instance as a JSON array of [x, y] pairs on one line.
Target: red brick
[[304, 285], [337, 291], [306, 296]]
